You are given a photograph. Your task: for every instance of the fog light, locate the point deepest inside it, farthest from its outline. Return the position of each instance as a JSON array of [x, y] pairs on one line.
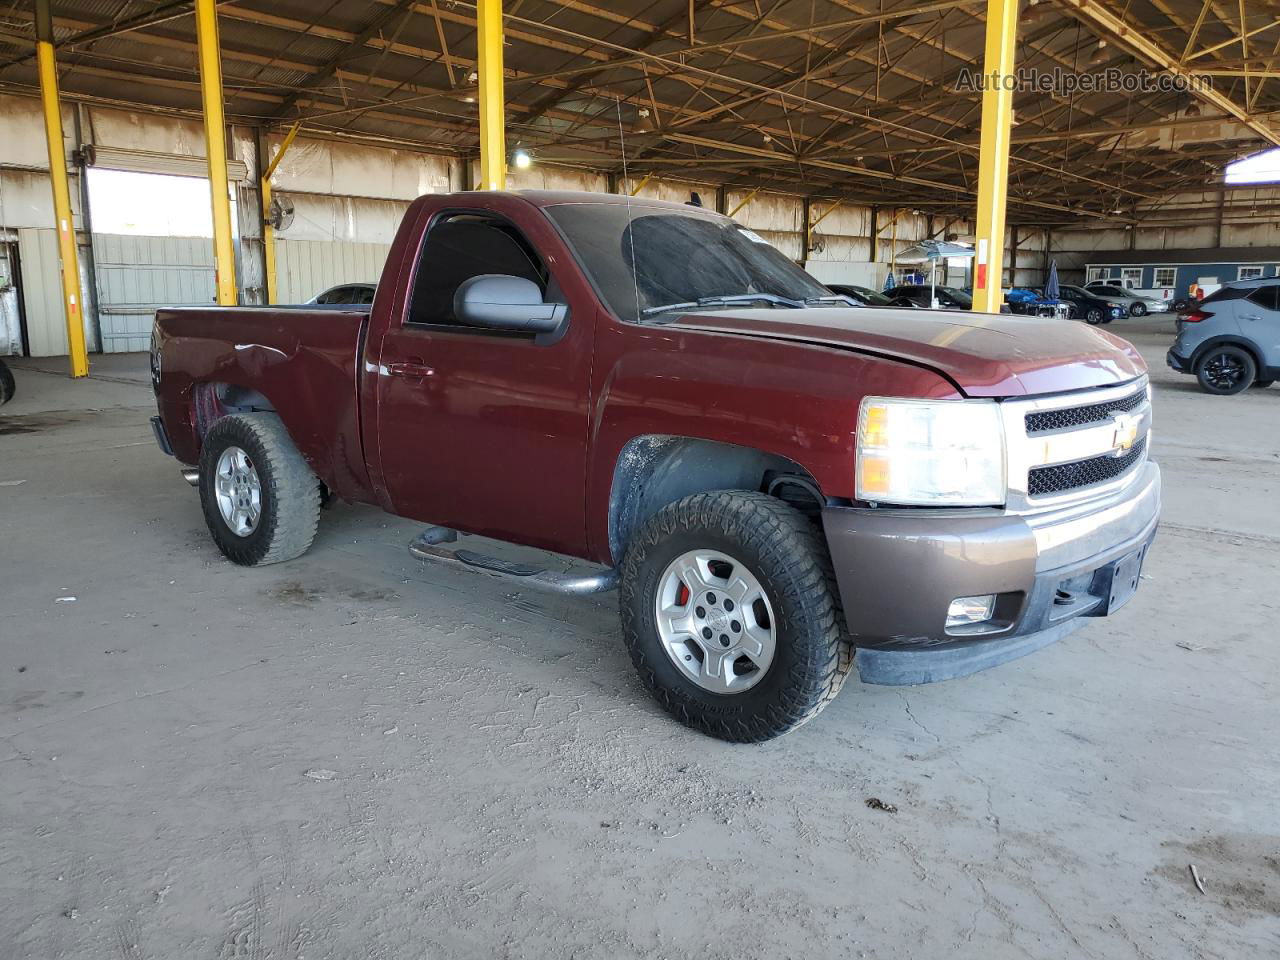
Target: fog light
[[966, 611]]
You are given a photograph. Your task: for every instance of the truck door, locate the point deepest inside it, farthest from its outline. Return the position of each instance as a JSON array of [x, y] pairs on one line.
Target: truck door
[[485, 431]]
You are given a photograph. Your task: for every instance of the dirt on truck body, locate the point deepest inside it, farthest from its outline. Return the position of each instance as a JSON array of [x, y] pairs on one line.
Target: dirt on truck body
[[780, 483]]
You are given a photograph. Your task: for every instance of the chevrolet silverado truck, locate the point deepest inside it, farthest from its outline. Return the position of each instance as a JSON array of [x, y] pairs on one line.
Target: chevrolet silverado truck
[[781, 484]]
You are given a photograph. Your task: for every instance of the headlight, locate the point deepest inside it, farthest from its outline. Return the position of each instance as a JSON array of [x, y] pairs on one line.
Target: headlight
[[930, 452]]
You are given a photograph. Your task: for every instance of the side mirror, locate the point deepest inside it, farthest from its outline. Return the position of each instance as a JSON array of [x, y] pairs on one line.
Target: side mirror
[[501, 302]]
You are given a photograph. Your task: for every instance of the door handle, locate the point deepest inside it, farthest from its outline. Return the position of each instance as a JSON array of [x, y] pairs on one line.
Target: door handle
[[412, 369], [1252, 316]]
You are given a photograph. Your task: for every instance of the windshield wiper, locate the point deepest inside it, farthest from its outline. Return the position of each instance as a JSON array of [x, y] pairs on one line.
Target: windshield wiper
[[772, 298]]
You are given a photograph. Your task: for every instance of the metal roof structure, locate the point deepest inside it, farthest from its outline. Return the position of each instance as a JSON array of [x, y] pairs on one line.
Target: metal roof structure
[[871, 102]]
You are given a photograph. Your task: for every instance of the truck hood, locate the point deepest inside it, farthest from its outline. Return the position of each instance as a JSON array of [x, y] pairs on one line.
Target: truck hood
[[984, 354]]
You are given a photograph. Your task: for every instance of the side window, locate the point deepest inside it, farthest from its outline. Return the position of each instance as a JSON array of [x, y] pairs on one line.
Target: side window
[[1225, 293], [1266, 297], [365, 296], [459, 247]]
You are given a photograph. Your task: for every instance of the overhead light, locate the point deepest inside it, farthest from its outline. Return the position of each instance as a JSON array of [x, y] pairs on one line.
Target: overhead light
[[1193, 109], [1099, 52], [473, 77], [644, 121], [766, 138], [522, 160]]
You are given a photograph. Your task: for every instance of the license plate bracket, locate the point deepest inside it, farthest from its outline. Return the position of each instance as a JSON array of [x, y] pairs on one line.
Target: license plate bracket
[[1125, 574]]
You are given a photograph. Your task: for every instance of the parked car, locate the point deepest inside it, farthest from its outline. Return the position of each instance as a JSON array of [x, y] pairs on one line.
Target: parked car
[[771, 479], [7, 386], [1231, 341], [921, 295], [1089, 307], [346, 293], [864, 295], [1135, 303]]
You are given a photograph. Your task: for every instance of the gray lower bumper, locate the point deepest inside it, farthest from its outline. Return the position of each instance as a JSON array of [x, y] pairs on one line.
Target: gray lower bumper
[[899, 570]]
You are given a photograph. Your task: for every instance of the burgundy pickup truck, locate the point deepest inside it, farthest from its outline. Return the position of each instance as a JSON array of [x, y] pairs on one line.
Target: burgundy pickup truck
[[772, 477]]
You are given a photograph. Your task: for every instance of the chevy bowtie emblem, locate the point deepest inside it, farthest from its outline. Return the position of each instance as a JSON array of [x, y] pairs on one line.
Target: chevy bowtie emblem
[[1126, 434]]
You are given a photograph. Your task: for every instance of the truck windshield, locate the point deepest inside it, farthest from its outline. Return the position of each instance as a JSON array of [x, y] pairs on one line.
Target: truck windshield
[[650, 262]]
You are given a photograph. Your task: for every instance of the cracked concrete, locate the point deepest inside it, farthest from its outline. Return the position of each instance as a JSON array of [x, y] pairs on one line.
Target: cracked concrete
[[503, 787]]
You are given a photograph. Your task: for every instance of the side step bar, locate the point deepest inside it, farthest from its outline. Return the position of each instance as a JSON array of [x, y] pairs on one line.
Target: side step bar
[[426, 546]]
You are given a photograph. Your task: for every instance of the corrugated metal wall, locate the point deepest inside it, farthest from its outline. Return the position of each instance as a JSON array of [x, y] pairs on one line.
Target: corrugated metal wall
[[42, 293], [306, 267], [137, 275]]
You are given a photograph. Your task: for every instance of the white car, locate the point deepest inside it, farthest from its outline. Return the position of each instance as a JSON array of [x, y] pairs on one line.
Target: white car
[[1138, 305]]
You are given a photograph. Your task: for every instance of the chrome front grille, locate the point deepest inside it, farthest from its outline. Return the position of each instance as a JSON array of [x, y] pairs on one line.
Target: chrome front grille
[[1046, 420], [1042, 481], [1074, 447]]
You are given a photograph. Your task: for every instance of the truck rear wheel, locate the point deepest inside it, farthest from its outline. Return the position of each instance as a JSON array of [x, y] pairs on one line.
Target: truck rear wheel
[[729, 615], [260, 499]]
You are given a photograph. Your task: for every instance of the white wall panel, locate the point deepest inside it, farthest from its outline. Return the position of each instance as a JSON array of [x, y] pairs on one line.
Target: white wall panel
[[305, 267], [138, 275], [42, 293]]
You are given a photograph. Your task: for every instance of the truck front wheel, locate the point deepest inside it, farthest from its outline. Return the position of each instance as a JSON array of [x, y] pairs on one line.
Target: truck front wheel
[[729, 616], [260, 499]]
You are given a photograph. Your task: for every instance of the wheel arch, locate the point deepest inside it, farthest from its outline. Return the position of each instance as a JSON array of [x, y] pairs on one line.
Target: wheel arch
[[653, 470], [214, 399], [1228, 340]]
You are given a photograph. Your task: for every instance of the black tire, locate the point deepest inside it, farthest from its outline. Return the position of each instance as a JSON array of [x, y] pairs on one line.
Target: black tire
[[7, 386], [1226, 370], [1263, 384], [1138, 310], [784, 552], [290, 492], [1093, 316]]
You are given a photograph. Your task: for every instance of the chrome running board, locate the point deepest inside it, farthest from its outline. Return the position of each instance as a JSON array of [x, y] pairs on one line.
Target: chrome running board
[[426, 546]]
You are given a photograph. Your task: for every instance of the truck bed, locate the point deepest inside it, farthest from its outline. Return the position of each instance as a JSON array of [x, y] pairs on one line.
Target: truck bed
[[300, 361]]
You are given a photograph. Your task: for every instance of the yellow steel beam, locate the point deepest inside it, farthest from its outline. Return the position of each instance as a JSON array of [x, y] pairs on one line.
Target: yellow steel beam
[[644, 182], [993, 155], [493, 144], [744, 201], [71, 305], [215, 144], [268, 232]]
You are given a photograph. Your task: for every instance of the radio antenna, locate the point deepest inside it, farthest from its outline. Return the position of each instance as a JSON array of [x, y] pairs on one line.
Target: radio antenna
[[626, 181]]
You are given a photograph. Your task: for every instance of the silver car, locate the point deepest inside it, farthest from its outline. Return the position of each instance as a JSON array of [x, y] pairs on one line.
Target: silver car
[[1137, 304], [1231, 341]]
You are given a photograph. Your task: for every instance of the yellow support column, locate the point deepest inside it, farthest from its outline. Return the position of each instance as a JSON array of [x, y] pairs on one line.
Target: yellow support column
[[993, 159], [215, 145], [268, 232], [71, 305], [493, 143]]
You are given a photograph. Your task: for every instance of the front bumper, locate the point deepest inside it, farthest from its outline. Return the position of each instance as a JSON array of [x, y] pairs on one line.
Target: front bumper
[[899, 570], [1181, 364]]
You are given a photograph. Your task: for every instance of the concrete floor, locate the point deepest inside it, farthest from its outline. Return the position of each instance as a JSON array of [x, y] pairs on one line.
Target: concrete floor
[[355, 755]]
